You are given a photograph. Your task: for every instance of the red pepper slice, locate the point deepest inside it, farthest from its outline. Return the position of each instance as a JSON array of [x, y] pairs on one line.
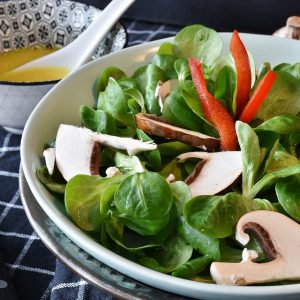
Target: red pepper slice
[[258, 97], [243, 70], [214, 110]]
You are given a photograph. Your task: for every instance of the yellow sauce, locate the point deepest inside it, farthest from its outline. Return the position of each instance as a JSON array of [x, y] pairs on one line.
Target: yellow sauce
[[12, 59]]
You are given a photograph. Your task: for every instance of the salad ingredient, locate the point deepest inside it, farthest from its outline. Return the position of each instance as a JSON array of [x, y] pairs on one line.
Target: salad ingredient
[[49, 155], [112, 171], [217, 215], [282, 124], [172, 168], [258, 97], [110, 72], [88, 199], [152, 157], [55, 183], [132, 146], [113, 101], [243, 72], [293, 24], [166, 88], [198, 41], [171, 178], [214, 111], [270, 229], [291, 30], [201, 242], [174, 253], [128, 164], [214, 173], [173, 148], [166, 63], [249, 144], [144, 201], [147, 78], [283, 98], [76, 152], [157, 126], [281, 159], [288, 194], [182, 109], [122, 239], [225, 86], [193, 267], [270, 178], [97, 120], [292, 69]]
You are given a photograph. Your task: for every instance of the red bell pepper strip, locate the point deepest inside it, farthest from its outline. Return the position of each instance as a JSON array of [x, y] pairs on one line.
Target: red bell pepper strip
[[214, 110], [258, 97], [243, 72]]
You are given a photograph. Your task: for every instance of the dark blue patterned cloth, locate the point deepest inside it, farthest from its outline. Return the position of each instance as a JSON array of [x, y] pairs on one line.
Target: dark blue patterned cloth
[[27, 269]]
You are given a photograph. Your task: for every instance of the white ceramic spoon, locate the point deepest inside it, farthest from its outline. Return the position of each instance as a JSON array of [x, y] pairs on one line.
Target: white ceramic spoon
[[82, 48]]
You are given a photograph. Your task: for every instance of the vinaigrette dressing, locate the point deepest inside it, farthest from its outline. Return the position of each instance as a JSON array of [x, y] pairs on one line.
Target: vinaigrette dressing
[[10, 60]]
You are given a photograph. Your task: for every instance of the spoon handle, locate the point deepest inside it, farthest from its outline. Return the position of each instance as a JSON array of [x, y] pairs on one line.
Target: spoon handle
[[87, 43], [82, 48]]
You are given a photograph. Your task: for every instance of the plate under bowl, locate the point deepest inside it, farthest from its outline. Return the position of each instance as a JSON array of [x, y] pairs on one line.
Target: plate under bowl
[[61, 105]]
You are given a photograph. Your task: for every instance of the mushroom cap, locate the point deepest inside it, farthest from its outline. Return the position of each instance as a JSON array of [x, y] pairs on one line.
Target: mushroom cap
[[76, 152], [279, 238], [215, 173], [293, 21], [291, 30], [269, 227]]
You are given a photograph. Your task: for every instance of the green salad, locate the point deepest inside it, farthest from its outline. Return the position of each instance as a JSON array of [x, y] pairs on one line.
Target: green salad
[[176, 153]]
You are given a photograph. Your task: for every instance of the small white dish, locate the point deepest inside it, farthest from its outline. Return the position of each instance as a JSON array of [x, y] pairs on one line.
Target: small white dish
[[61, 105]]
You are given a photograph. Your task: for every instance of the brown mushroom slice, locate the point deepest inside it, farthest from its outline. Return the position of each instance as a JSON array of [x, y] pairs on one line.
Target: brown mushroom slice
[[49, 155], [214, 173], [76, 152], [155, 125], [279, 237], [166, 88]]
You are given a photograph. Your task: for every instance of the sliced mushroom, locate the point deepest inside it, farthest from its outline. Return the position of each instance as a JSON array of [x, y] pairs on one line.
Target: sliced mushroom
[[214, 173], [77, 150], [279, 237], [171, 178], [112, 171], [132, 146], [291, 30], [49, 155], [166, 88], [157, 126]]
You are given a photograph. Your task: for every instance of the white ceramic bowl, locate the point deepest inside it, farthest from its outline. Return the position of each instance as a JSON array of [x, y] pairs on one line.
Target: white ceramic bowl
[[47, 23], [61, 105]]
